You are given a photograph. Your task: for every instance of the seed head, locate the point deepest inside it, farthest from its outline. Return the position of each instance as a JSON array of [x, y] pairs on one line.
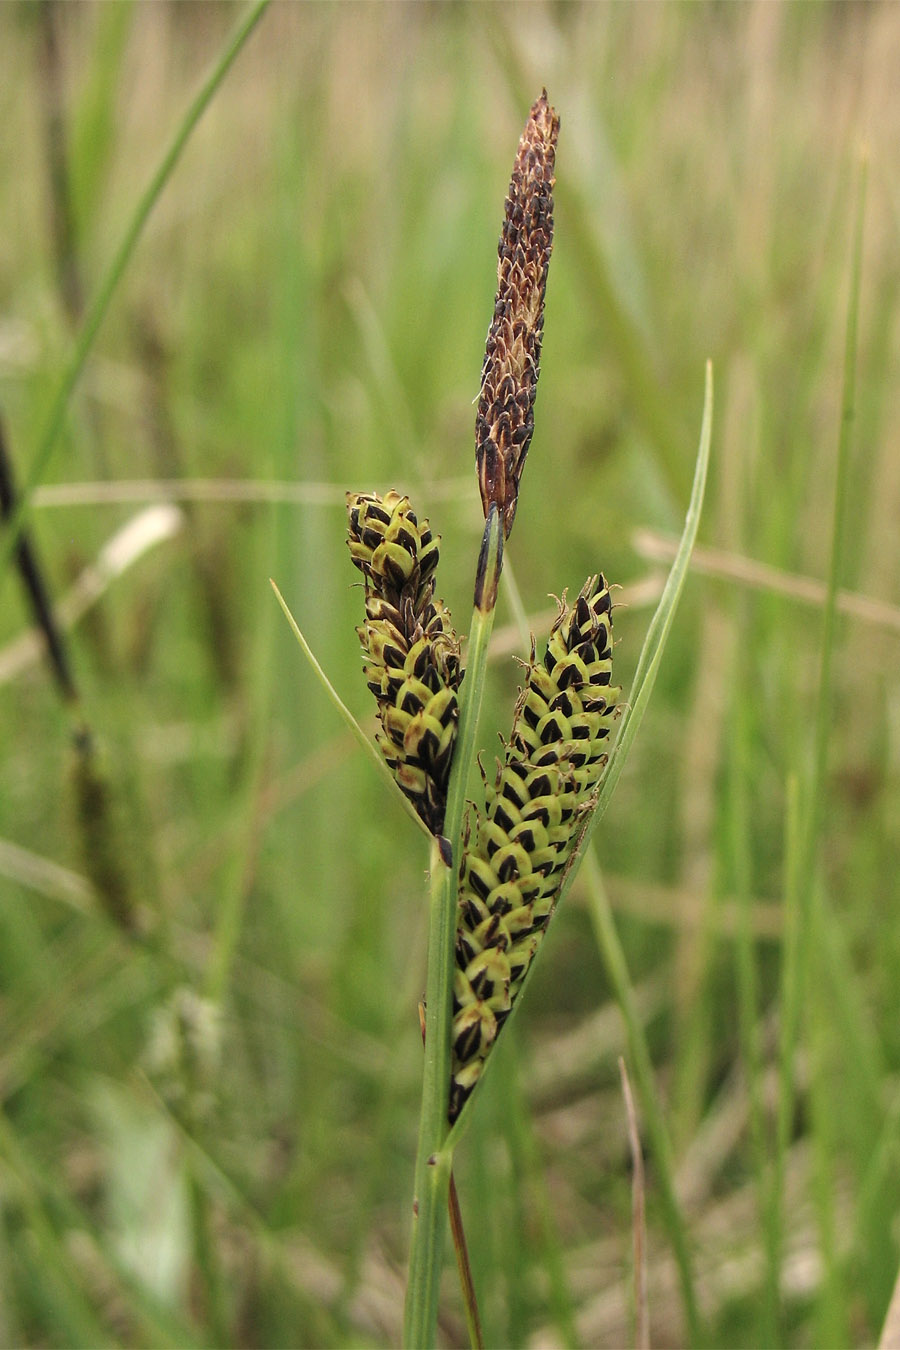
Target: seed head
[[511, 875], [393, 551], [410, 650], [505, 419]]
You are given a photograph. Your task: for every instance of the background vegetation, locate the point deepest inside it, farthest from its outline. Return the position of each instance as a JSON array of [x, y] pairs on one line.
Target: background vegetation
[[207, 1127]]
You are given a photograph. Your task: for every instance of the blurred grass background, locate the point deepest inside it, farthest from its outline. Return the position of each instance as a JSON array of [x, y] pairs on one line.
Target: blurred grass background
[[207, 1131]]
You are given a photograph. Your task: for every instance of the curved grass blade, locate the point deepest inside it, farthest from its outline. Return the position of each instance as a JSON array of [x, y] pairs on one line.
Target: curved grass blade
[[368, 745], [808, 791], [642, 686], [97, 312], [655, 641], [644, 679]]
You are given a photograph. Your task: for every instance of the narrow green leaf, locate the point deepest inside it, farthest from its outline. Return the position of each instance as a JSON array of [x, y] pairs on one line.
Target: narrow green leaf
[[370, 748], [98, 310], [658, 632]]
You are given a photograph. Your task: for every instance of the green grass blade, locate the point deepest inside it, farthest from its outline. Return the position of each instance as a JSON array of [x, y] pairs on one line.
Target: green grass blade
[[610, 948], [833, 1318], [655, 641], [371, 750], [67, 1304], [645, 676], [791, 961], [748, 1003], [102, 300], [841, 498], [433, 1161], [807, 801]]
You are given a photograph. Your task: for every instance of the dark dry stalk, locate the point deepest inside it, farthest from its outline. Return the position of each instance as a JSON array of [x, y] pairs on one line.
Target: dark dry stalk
[[34, 584], [504, 422], [103, 836], [93, 803], [464, 1267]]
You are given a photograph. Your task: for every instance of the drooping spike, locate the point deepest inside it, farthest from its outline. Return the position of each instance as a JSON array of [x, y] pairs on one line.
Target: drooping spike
[[411, 653]]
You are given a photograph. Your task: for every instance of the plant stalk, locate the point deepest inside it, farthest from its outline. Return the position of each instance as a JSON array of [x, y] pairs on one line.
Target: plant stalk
[[434, 1160]]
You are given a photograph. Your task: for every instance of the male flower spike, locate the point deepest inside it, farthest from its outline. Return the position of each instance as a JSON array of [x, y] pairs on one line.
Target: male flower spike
[[504, 422]]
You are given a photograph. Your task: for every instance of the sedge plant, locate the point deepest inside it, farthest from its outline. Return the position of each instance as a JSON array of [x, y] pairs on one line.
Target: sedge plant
[[497, 871]]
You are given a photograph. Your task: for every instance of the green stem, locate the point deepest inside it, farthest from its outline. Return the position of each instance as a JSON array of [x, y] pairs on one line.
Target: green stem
[[206, 1257], [432, 1166], [824, 713], [97, 312], [434, 1160], [807, 792]]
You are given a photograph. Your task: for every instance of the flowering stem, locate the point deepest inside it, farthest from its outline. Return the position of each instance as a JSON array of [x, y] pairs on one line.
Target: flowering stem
[[503, 427], [434, 1159]]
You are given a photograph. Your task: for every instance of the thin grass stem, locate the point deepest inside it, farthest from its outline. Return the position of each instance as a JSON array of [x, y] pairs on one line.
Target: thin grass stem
[[461, 1248], [98, 309], [655, 641], [434, 1158], [639, 1054], [806, 798], [359, 735], [520, 617], [748, 1007], [841, 498], [638, 1217], [792, 958], [470, 1301]]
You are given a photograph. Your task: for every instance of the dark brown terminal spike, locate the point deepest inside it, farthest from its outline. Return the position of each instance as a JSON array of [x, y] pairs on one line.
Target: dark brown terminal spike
[[504, 421]]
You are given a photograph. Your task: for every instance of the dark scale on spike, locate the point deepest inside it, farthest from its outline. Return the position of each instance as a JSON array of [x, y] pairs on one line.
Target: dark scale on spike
[[479, 884], [509, 869], [503, 819], [519, 848]]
